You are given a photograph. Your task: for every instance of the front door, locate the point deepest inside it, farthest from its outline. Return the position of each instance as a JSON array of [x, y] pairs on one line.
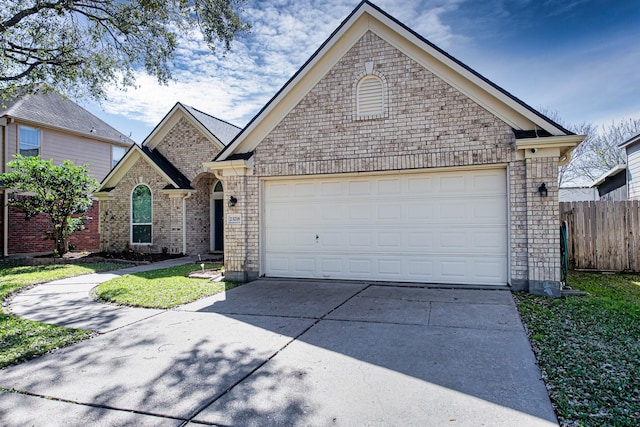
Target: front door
[[217, 217], [218, 225]]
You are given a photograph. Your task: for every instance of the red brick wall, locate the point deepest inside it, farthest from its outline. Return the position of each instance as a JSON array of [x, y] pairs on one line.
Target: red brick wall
[[30, 236], [1, 225]]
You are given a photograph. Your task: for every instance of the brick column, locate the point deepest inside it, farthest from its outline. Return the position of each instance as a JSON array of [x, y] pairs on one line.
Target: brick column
[[543, 235], [176, 224]]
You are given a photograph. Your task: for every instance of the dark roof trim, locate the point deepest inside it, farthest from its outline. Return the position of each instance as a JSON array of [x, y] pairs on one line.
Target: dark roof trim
[[241, 156], [167, 167], [207, 114], [524, 134], [342, 24], [630, 141]]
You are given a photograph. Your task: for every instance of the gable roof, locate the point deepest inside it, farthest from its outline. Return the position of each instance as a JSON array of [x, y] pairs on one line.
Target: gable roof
[[608, 175], [368, 17], [630, 141], [53, 110], [219, 132], [175, 178], [223, 130]]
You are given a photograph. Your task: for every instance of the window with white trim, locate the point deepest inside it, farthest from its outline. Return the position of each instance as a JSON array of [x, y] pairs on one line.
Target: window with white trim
[[29, 141], [117, 153], [370, 97], [141, 214]]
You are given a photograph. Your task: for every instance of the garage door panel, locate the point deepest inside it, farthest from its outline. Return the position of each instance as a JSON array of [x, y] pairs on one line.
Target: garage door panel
[[420, 241], [304, 265], [359, 267], [418, 186], [278, 264], [331, 189], [489, 182], [359, 212], [359, 187], [389, 187], [390, 266], [389, 240], [488, 240], [387, 212], [452, 210], [331, 266], [419, 211], [487, 269], [420, 269], [437, 227], [305, 190], [452, 184], [453, 240]]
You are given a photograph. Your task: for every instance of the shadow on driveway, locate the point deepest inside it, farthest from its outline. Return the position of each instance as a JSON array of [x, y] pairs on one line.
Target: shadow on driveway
[[285, 352]]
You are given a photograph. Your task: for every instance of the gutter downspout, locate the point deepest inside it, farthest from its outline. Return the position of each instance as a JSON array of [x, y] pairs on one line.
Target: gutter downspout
[[184, 223]]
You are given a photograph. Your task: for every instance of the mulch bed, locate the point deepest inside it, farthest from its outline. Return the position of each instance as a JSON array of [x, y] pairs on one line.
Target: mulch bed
[[129, 257]]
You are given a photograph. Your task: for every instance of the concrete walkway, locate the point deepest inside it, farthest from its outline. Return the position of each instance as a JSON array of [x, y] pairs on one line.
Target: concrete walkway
[[282, 352]]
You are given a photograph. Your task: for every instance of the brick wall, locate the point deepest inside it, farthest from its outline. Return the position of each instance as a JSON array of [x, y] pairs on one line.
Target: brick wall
[[187, 148], [27, 237], [543, 225], [199, 216], [427, 124], [519, 260], [115, 213]]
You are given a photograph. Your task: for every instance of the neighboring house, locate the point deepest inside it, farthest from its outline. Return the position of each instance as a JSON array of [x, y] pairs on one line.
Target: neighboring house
[[613, 184], [632, 148], [54, 127], [160, 197], [577, 194], [382, 158]]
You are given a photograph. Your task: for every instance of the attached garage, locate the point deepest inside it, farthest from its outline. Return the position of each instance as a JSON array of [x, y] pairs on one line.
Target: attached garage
[[441, 227], [386, 159]]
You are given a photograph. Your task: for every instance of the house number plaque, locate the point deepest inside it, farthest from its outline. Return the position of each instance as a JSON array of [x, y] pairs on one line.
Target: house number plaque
[[234, 219]]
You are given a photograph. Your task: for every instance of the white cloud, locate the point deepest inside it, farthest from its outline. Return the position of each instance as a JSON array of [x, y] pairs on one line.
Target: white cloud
[[285, 34]]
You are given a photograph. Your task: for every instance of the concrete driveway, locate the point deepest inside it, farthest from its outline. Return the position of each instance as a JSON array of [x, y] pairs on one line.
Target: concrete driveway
[[282, 352]]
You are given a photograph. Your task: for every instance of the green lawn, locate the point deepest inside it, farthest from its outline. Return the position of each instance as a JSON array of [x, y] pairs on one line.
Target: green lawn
[[164, 288], [20, 339], [588, 349]]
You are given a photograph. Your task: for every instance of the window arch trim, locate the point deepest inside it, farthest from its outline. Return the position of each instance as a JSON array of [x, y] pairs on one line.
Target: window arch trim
[[141, 229]]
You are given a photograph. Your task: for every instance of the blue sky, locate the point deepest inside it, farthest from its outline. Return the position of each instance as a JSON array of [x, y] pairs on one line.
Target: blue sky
[[580, 58]]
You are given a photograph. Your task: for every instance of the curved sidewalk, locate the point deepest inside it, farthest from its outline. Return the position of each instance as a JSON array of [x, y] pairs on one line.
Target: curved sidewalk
[[67, 302]]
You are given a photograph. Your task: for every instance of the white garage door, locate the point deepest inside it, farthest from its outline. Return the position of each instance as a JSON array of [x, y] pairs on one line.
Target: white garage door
[[446, 227]]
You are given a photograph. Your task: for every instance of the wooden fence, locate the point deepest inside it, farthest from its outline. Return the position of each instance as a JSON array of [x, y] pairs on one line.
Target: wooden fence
[[603, 235]]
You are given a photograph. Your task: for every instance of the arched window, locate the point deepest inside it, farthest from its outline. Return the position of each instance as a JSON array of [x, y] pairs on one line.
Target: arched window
[[141, 214], [370, 96]]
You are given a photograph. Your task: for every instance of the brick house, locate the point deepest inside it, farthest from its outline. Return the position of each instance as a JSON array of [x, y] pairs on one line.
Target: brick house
[[160, 197], [54, 127], [384, 158]]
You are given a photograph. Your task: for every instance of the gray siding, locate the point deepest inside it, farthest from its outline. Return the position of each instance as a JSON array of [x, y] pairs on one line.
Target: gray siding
[[633, 171], [60, 146]]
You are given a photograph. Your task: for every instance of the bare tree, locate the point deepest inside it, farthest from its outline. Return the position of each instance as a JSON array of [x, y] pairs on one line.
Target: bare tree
[[598, 153]]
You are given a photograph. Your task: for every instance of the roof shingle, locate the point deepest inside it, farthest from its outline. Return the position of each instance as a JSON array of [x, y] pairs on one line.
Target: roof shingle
[[53, 110]]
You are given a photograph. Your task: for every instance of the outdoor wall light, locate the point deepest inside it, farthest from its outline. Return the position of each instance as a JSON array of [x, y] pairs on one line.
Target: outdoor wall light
[[543, 190], [232, 201]]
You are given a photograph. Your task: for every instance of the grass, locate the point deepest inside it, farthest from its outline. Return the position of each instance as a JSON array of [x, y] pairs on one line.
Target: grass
[[22, 339], [588, 349], [164, 288]]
